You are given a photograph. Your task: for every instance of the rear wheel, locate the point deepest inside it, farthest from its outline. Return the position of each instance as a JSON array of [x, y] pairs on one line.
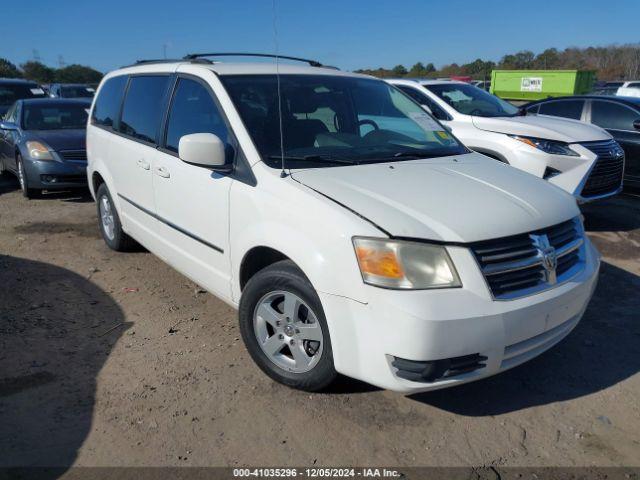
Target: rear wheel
[[284, 328], [24, 181], [110, 225]]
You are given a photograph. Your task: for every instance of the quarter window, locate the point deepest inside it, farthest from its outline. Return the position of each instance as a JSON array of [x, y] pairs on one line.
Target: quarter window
[[563, 108], [107, 106], [143, 107], [193, 111], [613, 116]]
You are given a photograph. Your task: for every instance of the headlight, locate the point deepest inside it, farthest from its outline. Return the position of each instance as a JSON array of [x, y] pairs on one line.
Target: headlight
[[404, 265], [549, 146], [39, 151]]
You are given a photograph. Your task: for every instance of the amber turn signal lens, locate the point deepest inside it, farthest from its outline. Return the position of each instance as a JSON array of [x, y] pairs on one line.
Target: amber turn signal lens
[[382, 263]]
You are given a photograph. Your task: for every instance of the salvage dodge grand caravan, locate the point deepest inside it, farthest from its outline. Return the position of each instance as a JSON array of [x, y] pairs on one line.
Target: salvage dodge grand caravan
[[353, 232]]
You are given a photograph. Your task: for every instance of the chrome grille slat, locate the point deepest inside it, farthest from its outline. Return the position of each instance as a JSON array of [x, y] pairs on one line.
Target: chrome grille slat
[[514, 266], [606, 176], [74, 154]]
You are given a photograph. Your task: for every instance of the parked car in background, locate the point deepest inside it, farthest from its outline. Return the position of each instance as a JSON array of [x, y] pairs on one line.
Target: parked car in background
[[483, 84], [570, 154], [71, 90], [350, 229], [620, 116], [43, 142], [12, 89]]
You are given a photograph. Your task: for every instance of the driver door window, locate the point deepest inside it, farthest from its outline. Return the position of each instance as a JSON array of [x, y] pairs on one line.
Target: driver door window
[[193, 111]]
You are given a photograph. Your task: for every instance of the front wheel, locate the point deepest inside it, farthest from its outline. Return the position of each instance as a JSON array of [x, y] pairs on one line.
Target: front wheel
[[284, 328], [24, 181]]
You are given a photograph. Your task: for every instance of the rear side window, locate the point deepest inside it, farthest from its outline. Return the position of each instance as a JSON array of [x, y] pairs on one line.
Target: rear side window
[[613, 115], [193, 111], [143, 107], [107, 106], [564, 108]]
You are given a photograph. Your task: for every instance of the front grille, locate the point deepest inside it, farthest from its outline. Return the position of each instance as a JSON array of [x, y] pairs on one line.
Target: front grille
[[606, 175], [531, 262], [80, 155]]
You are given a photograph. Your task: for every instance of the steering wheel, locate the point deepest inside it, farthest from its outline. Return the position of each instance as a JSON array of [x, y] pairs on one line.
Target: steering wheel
[[368, 122]]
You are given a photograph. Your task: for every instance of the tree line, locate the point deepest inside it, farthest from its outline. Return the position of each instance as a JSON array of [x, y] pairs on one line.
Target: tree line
[[41, 73], [613, 62]]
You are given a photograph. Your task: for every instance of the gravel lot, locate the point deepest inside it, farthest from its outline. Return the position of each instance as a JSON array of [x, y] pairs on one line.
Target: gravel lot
[[115, 359]]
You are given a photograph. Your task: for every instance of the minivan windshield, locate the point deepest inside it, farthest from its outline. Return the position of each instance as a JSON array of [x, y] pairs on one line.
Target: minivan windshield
[[330, 120], [470, 100]]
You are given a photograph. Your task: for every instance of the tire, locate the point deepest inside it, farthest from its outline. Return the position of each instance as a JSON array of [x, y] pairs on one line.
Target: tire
[[109, 221], [304, 359], [27, 192]]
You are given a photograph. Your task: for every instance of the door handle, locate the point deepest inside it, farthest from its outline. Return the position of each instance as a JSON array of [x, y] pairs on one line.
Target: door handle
[[162, 172], [142, 163]]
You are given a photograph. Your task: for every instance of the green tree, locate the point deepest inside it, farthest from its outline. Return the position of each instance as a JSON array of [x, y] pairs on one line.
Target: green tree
[[38, 72], [8, 69], [77, 74], [418, 70], [430, 68], [549, 59], [399, 70]]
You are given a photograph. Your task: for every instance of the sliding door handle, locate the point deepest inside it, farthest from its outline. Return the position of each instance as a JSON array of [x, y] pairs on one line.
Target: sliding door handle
[[142, 163], [162, 172]]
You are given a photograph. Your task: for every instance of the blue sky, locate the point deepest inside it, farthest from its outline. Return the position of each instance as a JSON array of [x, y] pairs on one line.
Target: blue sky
[[347, 33]]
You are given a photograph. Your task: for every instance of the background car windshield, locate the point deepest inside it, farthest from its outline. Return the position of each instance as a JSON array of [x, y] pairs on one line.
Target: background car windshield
[[471, 100], [334, 117], [54, 117], [79, 91], [10, 93]]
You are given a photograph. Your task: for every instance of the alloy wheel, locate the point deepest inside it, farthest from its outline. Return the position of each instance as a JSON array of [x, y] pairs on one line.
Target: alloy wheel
[[288, 331], [107, 218]]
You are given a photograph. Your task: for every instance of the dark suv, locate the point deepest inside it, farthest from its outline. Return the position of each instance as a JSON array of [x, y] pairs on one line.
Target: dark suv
[[71, 90], [12, 89]]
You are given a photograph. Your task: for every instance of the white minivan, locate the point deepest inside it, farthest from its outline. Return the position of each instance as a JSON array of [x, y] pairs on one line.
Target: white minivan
[[353, 233]]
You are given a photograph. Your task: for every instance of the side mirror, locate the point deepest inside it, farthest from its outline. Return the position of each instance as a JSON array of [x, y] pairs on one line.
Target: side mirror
[[427, 109], [636, 124], [8, 126], [203, 149]]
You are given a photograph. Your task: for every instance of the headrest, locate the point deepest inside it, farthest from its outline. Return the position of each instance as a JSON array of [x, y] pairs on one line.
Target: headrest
[[302, 101]]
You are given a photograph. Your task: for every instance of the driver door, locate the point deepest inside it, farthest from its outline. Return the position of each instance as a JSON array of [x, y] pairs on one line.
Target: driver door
[[192, 202]]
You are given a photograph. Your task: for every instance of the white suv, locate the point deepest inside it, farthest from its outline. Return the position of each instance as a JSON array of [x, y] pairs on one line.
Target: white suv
[[351, 231], [580, 158]]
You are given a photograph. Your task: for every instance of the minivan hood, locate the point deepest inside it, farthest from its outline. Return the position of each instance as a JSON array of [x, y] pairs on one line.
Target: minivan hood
[[543, 126], [462, 198], [72, 139]]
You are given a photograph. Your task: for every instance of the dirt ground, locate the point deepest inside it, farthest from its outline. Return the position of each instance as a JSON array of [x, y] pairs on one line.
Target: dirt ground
[[112, 359]]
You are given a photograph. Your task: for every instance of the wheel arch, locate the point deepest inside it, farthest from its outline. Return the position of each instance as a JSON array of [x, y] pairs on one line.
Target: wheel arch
[[258, 258]]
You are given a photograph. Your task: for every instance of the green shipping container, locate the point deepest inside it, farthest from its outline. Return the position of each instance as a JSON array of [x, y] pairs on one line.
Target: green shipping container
[[539, 84]]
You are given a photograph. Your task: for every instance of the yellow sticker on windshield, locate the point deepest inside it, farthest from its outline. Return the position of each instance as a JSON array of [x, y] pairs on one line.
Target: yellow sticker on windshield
[[444, 135]]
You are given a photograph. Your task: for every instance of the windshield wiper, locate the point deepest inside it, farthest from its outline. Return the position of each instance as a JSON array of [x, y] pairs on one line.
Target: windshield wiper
[[315, 158]]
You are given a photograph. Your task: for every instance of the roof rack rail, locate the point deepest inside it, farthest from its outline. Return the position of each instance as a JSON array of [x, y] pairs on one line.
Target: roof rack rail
[[194, 56], [165, 60]]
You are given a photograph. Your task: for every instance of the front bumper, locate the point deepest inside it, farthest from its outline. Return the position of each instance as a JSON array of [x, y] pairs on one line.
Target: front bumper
[[566, 172], [55, 175], [431, 325]]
